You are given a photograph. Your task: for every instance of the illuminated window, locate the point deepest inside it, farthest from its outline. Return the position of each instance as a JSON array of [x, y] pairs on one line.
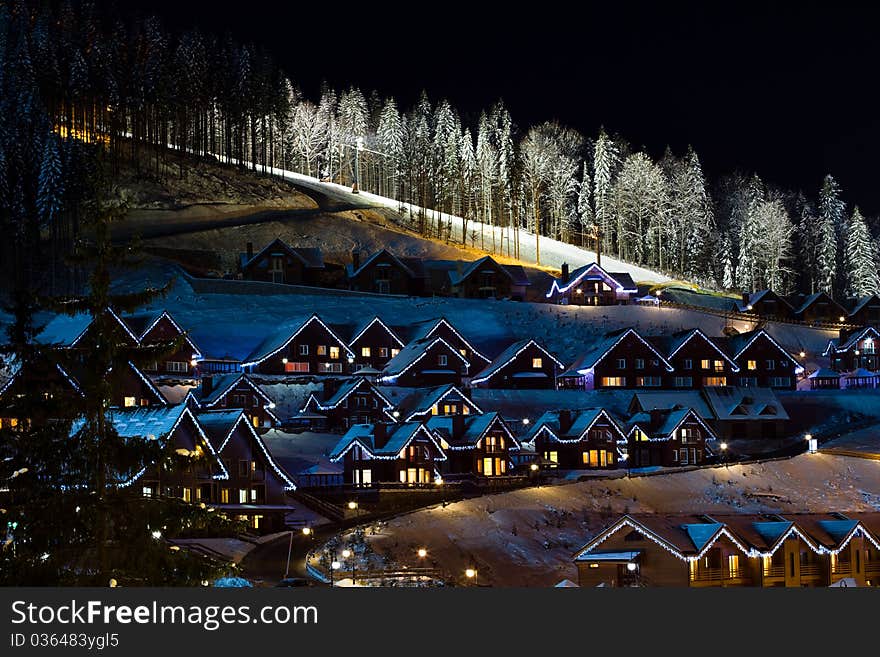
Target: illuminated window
[[537, 363], [255, 420], [715, 380], [334, 352], [304, 350], [719, 365], [394, 352], [365, 352], [613, 381], [465, 410], [242, 496], [752, 365], [463, 352], [733, 565], [363, 476], [434, 410], [187, 494], [383, 352], [322, 350], [147, 491], [648, 382], [130, 401], [224, 496], [296, 367], [641, 435], [705, 364], [551, 456]]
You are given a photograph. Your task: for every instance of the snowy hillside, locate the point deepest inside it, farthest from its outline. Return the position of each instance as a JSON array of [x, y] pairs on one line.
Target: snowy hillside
[[553, 252], [527, 537]]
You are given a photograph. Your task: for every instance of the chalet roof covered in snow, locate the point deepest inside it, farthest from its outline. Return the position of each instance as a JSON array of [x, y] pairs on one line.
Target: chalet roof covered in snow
[[426, 328], [733, 403], [659, 424], [851, 340], [275, 342], [416, 401], [472, 429], [581, 421], [649, 399], [736, 344], [413, 267], [342, 393], [311, 258], [413, 353], [759, 295], [860, 303], [399, 436], [506, 356], [152, 423], [357, 329], [824, 373], [464, 270], [66, 330], [801, 302], [621, 281], [600, 348]]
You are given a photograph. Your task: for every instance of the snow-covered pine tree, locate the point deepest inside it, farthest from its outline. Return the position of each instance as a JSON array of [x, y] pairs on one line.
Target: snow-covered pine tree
[[860, 265], [604, 159], [831, 217], [584, 206], [390, 135], [640, 199]]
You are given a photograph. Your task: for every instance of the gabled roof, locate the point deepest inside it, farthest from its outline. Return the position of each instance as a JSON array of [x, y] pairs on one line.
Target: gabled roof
[[645, 400], [401, 435], [860, 373], [421, 400], [603, 347], [142, 323], [620, 281], [735, 345], [412, 266], [661, 424], [219, 427], [342, 393], [154, 424], [474, 428], [279, 340], [508, 355], [516, 273], [224, 383], [733, 403], [672, 344], [802, 303], [853, 339], [412, 354], [582, 421], [311, 258], [824, 373], [67, 330], [426, 328], [362, 328], [862, 302], [147, 382], [756, 297]]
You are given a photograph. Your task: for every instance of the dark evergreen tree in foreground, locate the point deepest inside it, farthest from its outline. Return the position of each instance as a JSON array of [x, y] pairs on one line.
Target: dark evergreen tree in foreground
[[71, 517]]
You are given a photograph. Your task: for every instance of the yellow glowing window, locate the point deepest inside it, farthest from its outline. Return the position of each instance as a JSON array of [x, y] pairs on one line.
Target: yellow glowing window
[[334, 352], [537, 363], [705, 364], [613, 381], [719, 365], [394, 352], [224, 496], [322, 350], [187, 494], [465, 410], [365, 352], [434, 410], [752, 365], [130, 401], [242, 496]]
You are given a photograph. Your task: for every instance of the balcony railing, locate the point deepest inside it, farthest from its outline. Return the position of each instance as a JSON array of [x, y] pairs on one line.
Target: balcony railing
[[872, 567], [841, 569], [715, 574], [810, 569], [774, 571]]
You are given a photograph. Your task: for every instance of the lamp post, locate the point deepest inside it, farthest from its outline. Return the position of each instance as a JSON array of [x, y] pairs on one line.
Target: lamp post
[[334, 565], [812, 443], [724, 452], [471, 574], [349, 555], [353, 506]]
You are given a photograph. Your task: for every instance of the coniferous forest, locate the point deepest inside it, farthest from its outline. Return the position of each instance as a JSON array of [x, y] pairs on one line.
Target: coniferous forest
[[76, 76]]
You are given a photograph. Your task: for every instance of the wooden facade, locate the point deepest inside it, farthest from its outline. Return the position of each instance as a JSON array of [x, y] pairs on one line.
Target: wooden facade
[[278, 262], [475, 445], [578, 440], [865, 311], [237, 391], [426, 363], [163, 329], [761, 360], [854, 349], [374, 344], [697, 362], [667, 438], [766, 303], [311, 348], [385, 273], [818, 308], [523, 365], [591, 285], [486, 279], [622, 359], [342, 404]]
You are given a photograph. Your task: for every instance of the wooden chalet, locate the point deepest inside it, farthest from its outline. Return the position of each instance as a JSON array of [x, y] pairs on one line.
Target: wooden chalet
[[486, 279], [766, 304], [475, 445], [443, 328], [697, 361], [237, 391], [387, 453], [765, 550], [620, 359], [854, 349], [306, 347], [860, 378], [256, 490], [865, 311], [824, 378], [373, 344], [385, 273], [421, 404], [160, 328], [524, 364], [425, 363], [194, 476], [278, 262], [51, 378], [762, 362], [580, 439], [818, 308], [342, 404], [667, 437], [591, 285]]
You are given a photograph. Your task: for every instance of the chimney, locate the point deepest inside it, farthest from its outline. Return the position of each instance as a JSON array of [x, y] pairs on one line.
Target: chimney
[[565, 418], [565, 273], [457, 426], [380, 435], [657, 416], [250, 250], [330, 388], [355, 259]]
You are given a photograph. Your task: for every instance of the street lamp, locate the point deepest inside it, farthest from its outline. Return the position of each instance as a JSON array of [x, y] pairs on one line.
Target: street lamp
[[471, 574], [334, 565], [422, 552], [306, 531], [526, 421], [812, 443], [353, 506]]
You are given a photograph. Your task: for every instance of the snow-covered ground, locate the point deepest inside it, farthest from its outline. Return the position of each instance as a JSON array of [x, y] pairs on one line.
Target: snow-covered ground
[[527, 537]]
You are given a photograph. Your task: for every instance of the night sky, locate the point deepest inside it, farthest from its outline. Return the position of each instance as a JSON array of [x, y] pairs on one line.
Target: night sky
[[784, 90]]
